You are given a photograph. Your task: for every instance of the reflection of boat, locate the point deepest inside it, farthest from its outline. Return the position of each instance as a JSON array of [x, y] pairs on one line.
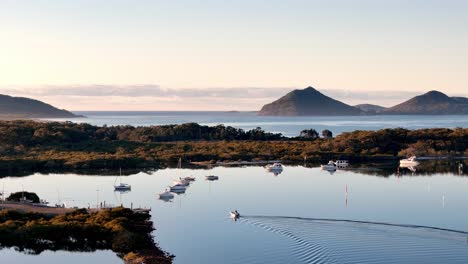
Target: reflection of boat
[[166, 195], [411, 161], [331, 166], [234, 214], [341, 164], [275, 167], [212, 177]]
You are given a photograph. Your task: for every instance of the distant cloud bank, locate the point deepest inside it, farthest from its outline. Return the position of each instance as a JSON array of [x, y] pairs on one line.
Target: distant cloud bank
[[155, 97]]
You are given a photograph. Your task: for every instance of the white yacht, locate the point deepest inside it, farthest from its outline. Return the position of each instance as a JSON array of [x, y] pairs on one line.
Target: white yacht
[[331, 166], [274, 167], [121, 186], [341, 163], [411, 161]]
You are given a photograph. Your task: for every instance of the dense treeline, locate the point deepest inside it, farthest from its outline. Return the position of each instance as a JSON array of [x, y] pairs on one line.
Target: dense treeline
[[28, 133], [120, 229], [36, 145]]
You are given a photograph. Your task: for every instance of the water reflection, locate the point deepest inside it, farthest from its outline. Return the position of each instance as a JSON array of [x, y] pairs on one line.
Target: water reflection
[[351, 193]]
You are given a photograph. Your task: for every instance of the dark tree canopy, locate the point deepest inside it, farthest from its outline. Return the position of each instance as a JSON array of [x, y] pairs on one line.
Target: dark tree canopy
[[309, 134], [17, 196], [327, 133]]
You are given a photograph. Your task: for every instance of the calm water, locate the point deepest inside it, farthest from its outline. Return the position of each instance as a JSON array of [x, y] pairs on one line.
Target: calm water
[[289, 126], [280, 223]]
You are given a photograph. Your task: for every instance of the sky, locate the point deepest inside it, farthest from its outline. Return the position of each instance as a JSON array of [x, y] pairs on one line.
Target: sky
[[229, 55]]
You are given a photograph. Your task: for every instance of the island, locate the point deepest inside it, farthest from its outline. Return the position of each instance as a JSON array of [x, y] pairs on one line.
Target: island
[[311, 102], [26, 108]]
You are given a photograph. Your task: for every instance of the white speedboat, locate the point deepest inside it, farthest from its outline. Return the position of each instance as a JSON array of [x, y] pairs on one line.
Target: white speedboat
[[166, 195], [212, 177], [331, 166], [274, 167], [341, 163], [411, 161], [234, 214]]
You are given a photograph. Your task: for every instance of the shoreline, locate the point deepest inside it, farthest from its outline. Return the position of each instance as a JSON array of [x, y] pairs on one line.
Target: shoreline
[[125, 231]]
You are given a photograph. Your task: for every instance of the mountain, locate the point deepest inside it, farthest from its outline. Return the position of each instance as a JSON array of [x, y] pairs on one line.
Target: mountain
[[370, 108], [431, 103], [21, 107], [307, 102]]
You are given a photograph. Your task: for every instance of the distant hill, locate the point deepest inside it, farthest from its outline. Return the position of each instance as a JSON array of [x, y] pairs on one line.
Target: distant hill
[[370, 108], [21, 107], [431, 103], [307, 102]]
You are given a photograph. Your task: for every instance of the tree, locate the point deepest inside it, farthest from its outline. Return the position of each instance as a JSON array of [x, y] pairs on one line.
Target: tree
[[309, 134], [18, 196], [327, 133]]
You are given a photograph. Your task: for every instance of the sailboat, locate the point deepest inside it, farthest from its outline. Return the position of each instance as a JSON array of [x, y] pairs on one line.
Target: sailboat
[[121, 186]]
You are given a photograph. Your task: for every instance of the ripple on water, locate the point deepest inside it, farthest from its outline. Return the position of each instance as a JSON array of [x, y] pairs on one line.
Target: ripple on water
[[337, 241]]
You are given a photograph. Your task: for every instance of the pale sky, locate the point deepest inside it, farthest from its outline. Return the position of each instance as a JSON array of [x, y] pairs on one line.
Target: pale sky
[[226, 55]]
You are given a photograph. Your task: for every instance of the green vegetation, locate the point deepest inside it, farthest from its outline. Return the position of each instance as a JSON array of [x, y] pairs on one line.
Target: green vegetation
[[120, 229], [28, 145]]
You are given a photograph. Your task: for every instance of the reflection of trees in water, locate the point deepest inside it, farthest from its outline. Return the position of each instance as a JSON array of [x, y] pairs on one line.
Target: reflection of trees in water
[[119, 229]]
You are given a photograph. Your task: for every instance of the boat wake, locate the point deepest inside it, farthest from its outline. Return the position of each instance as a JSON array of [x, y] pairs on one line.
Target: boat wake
[[319, 240]]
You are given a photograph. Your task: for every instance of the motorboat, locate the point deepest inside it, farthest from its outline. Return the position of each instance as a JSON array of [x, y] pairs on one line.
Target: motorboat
[[411, 161], [331, 166], [212, 177], [274, 167], [234, 214], [166, 195], [121, 186], [341, 163]]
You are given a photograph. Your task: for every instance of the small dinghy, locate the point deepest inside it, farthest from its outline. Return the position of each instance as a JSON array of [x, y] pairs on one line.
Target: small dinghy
[[211, 177], [234, 214]]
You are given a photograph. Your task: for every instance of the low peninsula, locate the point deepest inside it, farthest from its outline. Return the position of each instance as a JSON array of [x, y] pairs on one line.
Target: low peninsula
[[65, 146]]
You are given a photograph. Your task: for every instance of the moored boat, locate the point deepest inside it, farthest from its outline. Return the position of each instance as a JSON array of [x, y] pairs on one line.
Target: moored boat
[[411, 161], [331, 166], [211, 177], [274, 167]]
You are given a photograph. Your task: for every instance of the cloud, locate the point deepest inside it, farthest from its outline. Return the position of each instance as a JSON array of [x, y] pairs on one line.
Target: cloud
[[149, 90], [155, 97]]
